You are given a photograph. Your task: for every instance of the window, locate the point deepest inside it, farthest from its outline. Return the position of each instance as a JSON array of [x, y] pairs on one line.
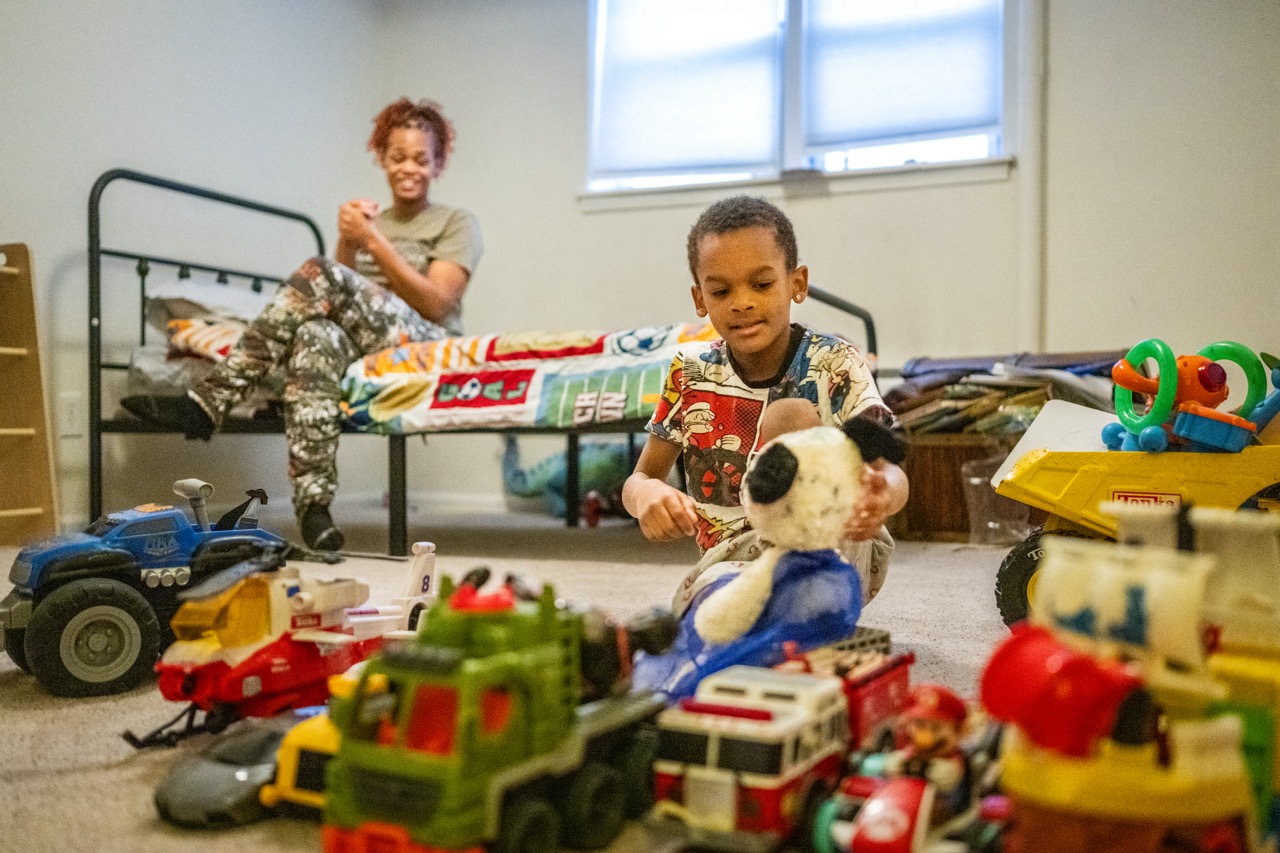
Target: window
[[748, 756], [684, 747], [433, 719], [150, 527], [706, 91]]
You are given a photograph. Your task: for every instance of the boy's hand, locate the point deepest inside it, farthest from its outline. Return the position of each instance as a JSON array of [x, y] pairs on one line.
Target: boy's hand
[[665, 513], [874, 505]]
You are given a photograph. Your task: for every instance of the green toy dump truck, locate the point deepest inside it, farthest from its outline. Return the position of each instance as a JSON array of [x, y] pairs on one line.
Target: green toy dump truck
[[472, 735]]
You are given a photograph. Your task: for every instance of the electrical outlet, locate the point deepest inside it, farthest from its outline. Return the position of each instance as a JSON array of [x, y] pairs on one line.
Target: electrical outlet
[[71, 414]]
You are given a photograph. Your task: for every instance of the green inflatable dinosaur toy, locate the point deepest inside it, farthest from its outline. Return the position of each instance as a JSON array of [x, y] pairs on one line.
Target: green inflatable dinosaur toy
[[603, 467]]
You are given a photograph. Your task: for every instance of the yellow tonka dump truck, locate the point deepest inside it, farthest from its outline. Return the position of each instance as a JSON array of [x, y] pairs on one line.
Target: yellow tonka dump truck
[[1061, 466]]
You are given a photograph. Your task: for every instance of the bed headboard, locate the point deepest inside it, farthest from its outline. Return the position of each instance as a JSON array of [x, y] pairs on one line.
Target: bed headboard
[[144, 264], [869, 324]]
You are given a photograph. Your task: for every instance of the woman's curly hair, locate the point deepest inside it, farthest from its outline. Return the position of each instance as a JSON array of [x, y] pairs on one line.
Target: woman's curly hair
[[424, 115]]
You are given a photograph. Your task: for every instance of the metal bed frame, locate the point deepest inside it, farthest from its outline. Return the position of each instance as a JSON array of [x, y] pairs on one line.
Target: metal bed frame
[[397, 532]]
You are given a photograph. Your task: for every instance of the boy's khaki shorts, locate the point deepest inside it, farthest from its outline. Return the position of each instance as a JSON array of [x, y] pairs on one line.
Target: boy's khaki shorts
[[870, 557]]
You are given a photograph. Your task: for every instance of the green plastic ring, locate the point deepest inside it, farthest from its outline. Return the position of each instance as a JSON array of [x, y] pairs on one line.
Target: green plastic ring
[[1249, 362], [822, 827], [1162, 406]]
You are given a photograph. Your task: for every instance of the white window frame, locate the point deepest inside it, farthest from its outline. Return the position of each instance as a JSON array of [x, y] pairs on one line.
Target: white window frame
[[797, 176]]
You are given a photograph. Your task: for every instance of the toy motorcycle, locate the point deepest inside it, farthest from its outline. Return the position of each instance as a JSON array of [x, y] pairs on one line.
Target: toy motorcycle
[[870, 813]]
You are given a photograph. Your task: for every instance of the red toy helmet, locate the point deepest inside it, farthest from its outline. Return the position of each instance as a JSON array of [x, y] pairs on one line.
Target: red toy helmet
[[935, 702]]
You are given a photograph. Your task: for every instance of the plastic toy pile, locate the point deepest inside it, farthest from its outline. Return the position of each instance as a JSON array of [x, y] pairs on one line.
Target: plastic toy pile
[[1135, 710], [1141, 694], [1072, 460]]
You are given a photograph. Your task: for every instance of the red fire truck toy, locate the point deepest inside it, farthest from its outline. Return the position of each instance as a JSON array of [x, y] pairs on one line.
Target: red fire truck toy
[[746, 762]]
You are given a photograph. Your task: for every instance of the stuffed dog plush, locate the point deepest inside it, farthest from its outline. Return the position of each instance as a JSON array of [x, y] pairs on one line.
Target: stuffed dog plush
[[799, 492]]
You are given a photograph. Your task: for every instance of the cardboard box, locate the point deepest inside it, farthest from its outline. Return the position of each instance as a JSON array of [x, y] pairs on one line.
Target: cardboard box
[[936, 508]]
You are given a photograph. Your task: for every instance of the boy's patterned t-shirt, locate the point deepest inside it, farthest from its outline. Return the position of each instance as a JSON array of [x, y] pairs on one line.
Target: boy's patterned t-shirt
[[714, 415]]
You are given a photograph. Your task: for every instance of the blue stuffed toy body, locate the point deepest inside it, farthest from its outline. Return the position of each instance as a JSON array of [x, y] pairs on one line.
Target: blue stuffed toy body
[[816, 600]]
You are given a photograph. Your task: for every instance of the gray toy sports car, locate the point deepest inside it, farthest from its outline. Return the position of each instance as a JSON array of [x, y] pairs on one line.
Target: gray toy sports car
[[219, 785]]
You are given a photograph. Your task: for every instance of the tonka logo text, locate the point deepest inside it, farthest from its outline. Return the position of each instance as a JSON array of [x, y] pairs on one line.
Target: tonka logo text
[[1148, 498]]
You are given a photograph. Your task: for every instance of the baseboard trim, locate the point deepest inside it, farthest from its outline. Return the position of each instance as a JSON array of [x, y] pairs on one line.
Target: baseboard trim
[[430, 503]]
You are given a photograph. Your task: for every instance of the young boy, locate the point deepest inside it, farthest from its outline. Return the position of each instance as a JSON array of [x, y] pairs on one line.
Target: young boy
[[724, 399]]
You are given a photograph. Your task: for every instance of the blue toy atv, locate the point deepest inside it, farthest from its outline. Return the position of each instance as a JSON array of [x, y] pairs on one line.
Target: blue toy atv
[[89, 612]]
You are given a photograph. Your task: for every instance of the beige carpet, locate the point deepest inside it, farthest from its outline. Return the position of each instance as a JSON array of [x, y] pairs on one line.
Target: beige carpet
[[69, 783]]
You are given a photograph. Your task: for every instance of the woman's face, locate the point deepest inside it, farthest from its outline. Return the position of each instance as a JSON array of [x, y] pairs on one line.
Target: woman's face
[[409, 161]]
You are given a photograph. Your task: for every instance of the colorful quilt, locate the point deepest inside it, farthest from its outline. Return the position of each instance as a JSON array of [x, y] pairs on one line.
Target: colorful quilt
[[525, 379]]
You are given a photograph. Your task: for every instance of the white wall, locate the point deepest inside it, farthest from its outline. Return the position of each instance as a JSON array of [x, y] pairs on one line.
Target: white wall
[[266, 100], [513, 76], [1162, 204], [1164, 173]]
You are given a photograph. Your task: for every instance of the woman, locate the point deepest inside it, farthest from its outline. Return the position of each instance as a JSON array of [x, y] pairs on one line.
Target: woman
[[399, 277]]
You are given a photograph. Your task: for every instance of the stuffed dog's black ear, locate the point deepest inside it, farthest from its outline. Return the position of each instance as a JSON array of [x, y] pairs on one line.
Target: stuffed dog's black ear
[[874, 441]]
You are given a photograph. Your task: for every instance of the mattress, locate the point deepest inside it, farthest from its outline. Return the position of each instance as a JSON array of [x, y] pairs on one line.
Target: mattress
[[554, 380]]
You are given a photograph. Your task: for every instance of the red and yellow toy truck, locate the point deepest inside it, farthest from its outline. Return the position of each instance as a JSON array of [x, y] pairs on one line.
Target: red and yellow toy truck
[[1142, 693]]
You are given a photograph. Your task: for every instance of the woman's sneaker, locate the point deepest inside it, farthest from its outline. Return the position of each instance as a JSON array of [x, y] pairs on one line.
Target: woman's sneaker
[[178, 412], [318, 529]]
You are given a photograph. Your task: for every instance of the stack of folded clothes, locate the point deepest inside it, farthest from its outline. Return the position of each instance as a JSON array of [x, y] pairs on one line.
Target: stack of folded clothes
[[997, 395]]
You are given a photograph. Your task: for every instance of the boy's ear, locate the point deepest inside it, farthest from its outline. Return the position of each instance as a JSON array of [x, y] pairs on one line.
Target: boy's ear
[[696, 292], [799, 284]]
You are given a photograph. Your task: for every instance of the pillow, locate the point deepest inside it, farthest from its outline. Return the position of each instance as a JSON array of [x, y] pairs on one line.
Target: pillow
[[206, 338], [187, 299]]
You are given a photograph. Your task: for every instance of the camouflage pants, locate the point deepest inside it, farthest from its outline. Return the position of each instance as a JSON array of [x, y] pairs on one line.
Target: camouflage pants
[[324, 317]]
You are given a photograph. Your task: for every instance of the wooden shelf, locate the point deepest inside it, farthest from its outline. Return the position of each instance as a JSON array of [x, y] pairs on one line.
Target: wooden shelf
[[28, 506], [22, 512]]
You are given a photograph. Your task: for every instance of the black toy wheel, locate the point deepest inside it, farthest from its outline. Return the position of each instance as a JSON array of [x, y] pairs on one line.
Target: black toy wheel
[[806, 828], [14, 644], [92, 637], [593, 807], [634, 760], [415, 616], [1016, 577], [1266, 499], [529, 825]]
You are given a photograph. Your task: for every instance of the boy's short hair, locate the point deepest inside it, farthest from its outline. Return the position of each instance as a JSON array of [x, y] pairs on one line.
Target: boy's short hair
[[743, 211]]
